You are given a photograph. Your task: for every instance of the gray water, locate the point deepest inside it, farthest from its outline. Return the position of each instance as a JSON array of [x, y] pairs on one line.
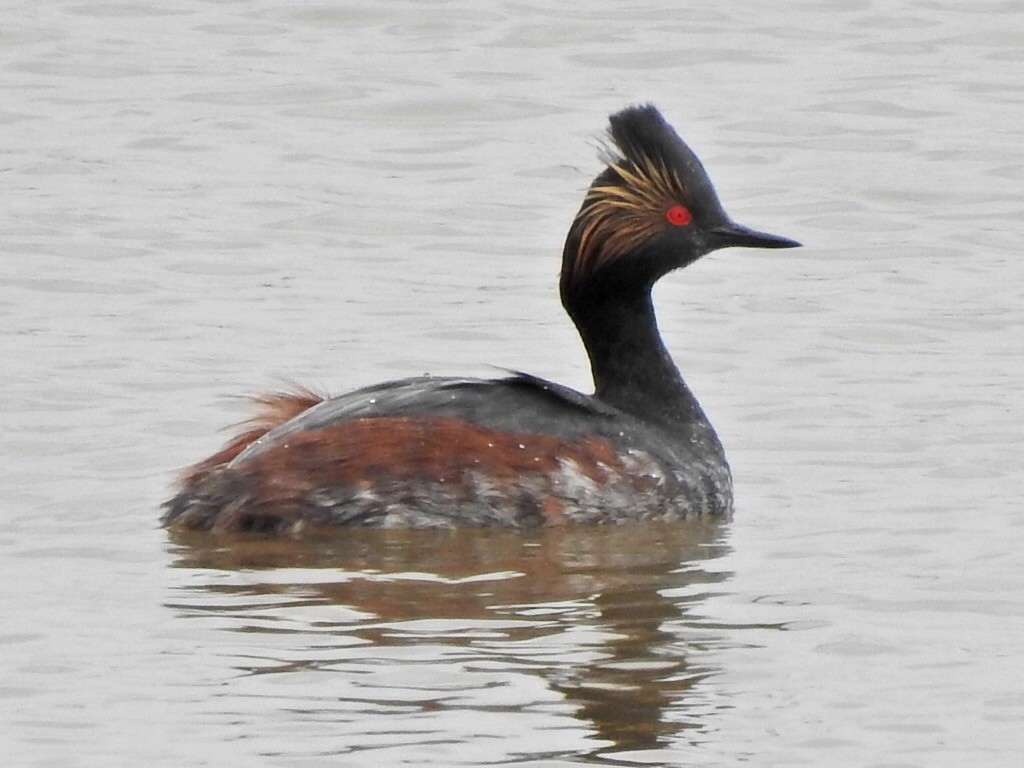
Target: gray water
[[202, 199]]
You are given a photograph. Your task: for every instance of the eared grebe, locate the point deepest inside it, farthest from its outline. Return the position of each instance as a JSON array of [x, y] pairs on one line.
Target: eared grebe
[[516, 451]]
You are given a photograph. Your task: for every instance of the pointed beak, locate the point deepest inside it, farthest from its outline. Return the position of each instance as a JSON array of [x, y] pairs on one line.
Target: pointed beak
[[731, 235]]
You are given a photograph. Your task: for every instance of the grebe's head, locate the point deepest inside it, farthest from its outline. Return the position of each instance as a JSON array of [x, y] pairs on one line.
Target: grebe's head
[[653, 209]]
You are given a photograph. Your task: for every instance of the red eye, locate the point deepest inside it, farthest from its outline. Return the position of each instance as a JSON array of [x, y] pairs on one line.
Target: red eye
[[678, 215]]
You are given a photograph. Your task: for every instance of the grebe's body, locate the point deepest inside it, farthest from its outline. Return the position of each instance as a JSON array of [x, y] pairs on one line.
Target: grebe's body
[[517, 451]]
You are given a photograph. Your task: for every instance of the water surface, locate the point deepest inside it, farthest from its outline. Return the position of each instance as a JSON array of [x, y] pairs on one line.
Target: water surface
[[200, 199]]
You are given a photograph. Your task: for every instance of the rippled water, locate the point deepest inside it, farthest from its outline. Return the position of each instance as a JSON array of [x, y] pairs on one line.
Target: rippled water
[[203, 198]]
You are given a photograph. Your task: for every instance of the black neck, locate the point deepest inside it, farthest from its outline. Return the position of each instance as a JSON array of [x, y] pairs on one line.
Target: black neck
[[632, 369]]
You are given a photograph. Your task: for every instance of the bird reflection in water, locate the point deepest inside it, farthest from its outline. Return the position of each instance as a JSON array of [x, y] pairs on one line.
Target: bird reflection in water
[[604, 616]]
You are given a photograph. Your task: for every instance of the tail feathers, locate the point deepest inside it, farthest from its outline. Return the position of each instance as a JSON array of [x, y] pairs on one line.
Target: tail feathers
[[272, 410]]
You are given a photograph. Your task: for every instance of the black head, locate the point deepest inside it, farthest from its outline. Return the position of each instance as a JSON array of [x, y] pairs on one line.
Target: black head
[[652, 210]]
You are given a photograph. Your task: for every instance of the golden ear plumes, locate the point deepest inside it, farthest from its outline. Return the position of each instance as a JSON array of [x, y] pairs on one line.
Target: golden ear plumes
[[617, 216]]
